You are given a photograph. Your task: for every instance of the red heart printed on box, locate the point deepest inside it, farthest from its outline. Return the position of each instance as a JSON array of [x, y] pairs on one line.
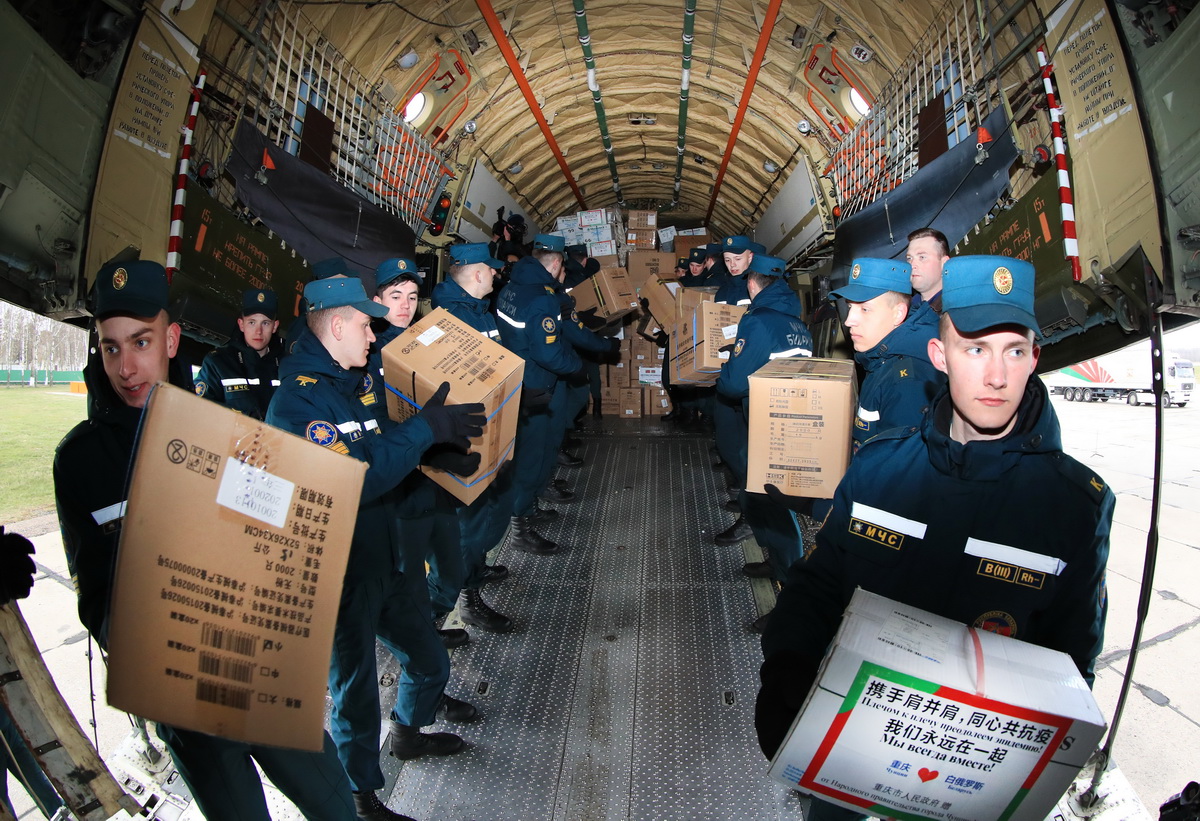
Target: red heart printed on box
[[927, 774]]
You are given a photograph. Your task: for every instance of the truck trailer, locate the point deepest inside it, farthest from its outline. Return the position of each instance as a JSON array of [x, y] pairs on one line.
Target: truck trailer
[[1125, 375]]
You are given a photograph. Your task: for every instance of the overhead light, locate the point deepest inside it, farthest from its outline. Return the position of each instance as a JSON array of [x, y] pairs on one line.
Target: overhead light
[[516, 168], [469, 127], [408, 59], [770, 167]]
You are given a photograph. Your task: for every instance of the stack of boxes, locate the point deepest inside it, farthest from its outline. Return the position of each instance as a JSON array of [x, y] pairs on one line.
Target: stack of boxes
[[641, 232], [633, 383]]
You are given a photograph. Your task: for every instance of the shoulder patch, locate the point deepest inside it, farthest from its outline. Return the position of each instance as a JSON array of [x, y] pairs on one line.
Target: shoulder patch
[[548, 325], [737, 349], [1082, 477], [366, 384], [323, 433], [305, 381], [201, 389]]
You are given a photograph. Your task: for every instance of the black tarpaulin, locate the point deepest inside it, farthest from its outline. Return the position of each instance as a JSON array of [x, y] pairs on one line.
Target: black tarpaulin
[[317, 216], [950, 194]]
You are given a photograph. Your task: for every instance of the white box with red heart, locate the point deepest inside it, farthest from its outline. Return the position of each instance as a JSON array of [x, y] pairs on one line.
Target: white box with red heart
[[916, 716]]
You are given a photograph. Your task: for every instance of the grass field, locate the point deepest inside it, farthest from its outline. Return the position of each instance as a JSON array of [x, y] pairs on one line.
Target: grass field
[[32, 422]]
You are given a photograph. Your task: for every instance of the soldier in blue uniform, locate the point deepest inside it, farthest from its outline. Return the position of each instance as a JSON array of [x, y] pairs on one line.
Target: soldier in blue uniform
[[243, 373], [891, 347], [579, 267], [481, 524], [332, 267], [696, 273], [320, 399], [530, 322], [983, 483], [729, 420], [770, 329], [928, 252], [134, 343]]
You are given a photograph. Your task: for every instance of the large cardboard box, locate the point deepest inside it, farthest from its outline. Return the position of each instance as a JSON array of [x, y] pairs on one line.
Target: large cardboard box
[[441, 348], [619, 374], [642, 219], [800, 418], [610, 401], [597, 216], [642, 265], [229, 573], [660, 296], [641, 351], [609, 291], [917, 716], [684, 369], [715, 327], [645, 238], [685, 243], [655, 401], [600, 250]]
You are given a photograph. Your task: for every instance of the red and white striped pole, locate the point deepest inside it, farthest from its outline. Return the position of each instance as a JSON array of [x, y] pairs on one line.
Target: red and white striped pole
[[1070, 238], [185, 156]]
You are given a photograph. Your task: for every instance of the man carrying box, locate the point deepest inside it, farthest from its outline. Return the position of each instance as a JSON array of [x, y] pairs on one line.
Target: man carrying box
[[320, 399], [481, 525], [531, 327], [133, 347], [891, 347], [771, 329], [948, 516]]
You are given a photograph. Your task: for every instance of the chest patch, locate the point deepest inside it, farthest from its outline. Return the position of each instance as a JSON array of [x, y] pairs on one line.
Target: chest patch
[[997, 621], [1011, 573], [883, 527]]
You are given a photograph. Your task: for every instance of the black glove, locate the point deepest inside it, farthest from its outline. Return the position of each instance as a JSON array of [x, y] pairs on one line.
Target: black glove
[[586, 315], [661, 339], [16, 566], [451, 460], [454, 424], [534, 398], [800, 504], [727, 348]]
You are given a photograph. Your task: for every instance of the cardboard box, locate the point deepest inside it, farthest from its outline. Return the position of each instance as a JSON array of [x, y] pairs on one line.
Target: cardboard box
[[655, 401], [229, 574], [660, 295], [685, 372], [801, 416], [716, 327], [918, 716], [609, 291], [610, 401], [646, 238], [649, 376], [666, 238], [598, 250], [630, 403], [684, 243], [619, 375], [597, 216], [608, 260], [441, 348], [642, 219], [643, 265], [641, 351]]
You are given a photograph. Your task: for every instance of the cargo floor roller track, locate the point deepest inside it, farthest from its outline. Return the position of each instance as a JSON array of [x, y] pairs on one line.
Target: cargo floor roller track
[[627, 689]]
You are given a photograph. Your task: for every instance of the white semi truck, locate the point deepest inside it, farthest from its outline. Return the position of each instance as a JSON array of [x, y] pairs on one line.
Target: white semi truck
[[1124, 374]]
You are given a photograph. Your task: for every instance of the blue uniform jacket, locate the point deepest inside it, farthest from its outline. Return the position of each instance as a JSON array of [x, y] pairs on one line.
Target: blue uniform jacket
[[900, 381], [321, 401], [234, 375], [732, 290], [449, 294], [771, 328], [578, 334], [530, 320], [1009, 535]]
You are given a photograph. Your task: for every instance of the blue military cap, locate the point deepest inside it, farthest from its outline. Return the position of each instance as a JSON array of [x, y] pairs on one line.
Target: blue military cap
[[739, 244], [330, 268], [549, 242], [713, 249], [681, 262], [260, 301], [981, 292], [138, 287], [577, 250], [767, 266], [467, 253], [870, 278], [698, 254], [391, 270], [336, 292]]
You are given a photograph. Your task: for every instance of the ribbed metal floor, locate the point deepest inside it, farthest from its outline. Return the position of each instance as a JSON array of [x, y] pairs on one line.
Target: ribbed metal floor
[[627, 689]]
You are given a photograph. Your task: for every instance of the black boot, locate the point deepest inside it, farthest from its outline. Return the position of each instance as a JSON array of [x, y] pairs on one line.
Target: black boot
[[367, 805], [409, 742], [457, 710], [734, 533], [524, 537], [473, 610], [569, 460], [757, 570], [554, 493], [453, 637], [494, 573], [543, 515]]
